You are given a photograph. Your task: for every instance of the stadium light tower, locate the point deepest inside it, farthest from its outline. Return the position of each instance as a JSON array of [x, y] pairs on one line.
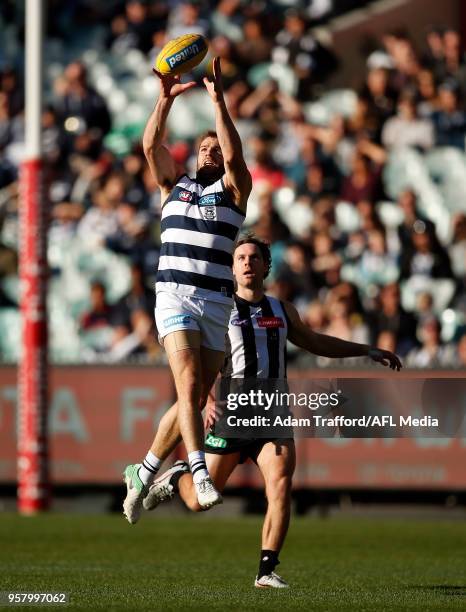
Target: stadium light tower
[[33, 482]]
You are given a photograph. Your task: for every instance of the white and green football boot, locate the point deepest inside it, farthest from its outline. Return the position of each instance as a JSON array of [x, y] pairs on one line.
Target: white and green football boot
[[136, 491]]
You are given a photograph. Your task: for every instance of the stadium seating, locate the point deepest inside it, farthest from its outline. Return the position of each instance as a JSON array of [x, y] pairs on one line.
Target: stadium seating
[[122, 76]]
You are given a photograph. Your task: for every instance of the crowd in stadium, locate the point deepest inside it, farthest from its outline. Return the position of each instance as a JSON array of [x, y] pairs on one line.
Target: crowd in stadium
[[319, 188]]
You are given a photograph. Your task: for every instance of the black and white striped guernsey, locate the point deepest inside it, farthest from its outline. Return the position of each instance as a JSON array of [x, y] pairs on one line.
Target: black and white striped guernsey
[[256, 339], [199, 228]]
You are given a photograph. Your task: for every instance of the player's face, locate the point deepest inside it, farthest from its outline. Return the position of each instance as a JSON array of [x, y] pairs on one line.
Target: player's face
[[209, 160], [248, 266]]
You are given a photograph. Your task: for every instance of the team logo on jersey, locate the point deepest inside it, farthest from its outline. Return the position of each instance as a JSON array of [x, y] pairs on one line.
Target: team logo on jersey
[[270, 322], [240, 322], [209, 213], [207, 204], [185, 196], [210, 200]]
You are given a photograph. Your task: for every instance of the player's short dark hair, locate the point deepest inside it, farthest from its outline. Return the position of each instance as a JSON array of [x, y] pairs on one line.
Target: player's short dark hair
[[263, 247], [204, 135]]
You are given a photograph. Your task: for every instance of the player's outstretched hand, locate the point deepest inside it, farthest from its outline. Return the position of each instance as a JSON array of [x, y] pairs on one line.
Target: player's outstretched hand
[[386, 358], [215, 85], [171, 85]]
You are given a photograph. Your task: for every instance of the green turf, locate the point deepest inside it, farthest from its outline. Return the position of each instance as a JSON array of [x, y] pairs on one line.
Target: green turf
[[208, 563]]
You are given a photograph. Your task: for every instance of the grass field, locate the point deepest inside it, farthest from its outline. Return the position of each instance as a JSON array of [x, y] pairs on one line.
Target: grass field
[[205, 562]]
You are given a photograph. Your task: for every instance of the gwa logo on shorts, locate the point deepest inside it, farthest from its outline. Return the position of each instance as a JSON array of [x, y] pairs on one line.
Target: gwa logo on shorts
[[177, 320], [215, 442]]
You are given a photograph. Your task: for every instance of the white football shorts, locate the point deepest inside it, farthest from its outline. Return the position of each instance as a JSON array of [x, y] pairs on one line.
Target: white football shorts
[[174, 312]]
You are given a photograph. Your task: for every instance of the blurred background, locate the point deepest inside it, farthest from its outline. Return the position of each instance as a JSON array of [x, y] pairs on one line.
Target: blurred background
[[352, 117]]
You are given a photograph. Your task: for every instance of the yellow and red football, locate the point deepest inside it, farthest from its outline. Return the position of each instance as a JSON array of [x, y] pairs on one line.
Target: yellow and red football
[[181, 54]]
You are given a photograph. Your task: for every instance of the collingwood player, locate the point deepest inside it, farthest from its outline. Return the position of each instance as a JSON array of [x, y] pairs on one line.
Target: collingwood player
[[258, 330], [200, 222]]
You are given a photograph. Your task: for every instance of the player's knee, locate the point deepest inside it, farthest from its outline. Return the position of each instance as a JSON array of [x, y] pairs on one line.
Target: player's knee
[[279, 489], [188, 389]]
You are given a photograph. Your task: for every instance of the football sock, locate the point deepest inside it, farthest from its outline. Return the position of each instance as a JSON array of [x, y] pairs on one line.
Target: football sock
[[198, 466], [268, 562], [149, 468]]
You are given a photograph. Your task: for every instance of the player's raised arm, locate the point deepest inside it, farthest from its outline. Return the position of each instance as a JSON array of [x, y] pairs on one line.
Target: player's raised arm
[[238, 179], [329, 346], [160, 161]]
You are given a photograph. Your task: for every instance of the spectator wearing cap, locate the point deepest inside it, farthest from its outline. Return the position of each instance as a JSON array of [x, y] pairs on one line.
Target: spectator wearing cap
[[449, 120], [432, 353], [407, 129]]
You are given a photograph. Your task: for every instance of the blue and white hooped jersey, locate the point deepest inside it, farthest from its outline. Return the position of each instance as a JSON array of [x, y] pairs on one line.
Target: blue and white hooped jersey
[[199, 228]]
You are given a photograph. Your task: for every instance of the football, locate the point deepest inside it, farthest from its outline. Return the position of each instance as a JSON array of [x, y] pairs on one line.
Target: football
[[181, 54]]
